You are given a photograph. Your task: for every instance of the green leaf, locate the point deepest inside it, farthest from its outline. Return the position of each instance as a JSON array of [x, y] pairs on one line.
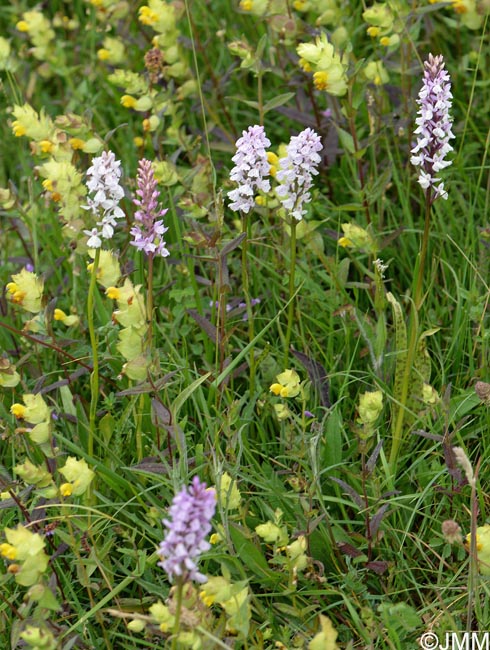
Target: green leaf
[[249, 553], [279, 100]]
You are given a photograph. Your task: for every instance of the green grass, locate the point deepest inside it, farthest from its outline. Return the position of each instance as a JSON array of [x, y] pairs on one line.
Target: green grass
[[378, 565]]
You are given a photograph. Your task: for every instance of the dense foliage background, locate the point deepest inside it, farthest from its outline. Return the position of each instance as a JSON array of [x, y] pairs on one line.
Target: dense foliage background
[[342, 507]]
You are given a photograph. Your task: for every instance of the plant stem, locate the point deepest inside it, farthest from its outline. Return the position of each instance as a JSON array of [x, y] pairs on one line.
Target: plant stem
[[178, 611], [418, 294], [94, 377], [292, 271], [149, 300], [413, 336], [246, 291]]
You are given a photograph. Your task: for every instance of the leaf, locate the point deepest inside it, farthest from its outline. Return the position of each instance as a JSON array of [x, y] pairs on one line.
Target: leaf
[[400, 349], [249, 553], [207, 327], [248, 102], [371, 462], [346, 140], [279, 100], [358, 500], [231, 245], [377, 519], [160, 415], [317, 375]]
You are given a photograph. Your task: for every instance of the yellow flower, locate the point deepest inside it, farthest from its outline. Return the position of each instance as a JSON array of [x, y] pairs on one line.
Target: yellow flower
[[114, 293], [8, 551], [388, 41], [229, 494], [128, 101], [271, 533], [76, 143], [358, 238], [66, 489], [282, 411], [9, 377], [29, 553], [288, 384], [273, 160], [320, 79], [138, 141], [78, 474], [18, 129], [375, 31], [69, 321], [22, 26], [18, 411], [246, 5], [34, 474], [296, 552], [26, 290], [108, 271], [370, 407], [46, 146], [146, 16], [35, 410], [376, 72], [483, 548]]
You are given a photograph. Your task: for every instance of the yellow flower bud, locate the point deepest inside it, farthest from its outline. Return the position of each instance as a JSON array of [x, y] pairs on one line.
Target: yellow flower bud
[[22, 26], [59, 314], [103, 54]]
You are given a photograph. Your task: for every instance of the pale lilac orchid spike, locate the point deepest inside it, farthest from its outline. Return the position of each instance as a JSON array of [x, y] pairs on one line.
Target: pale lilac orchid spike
[[190, 522], [104, 196], [297, 170], [433, 127], [148, 230], [251, 168]]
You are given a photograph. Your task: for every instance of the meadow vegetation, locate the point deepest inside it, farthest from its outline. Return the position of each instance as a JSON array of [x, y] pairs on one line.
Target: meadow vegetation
[[244, 384]]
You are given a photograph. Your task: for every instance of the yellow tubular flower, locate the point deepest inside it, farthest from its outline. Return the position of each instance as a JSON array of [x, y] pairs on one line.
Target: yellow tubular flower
[[18, 129], [320, 79], [66, 489], [46, 146], [146, 16], [128, 102], [113, 293], [18, 411], [8, 551], [76, 143]]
